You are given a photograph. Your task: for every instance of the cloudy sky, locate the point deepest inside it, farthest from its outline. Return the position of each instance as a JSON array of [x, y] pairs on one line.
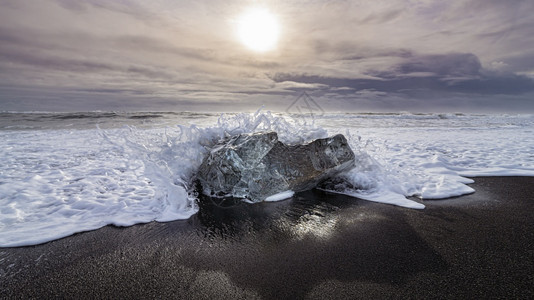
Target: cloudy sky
[[360, 55]]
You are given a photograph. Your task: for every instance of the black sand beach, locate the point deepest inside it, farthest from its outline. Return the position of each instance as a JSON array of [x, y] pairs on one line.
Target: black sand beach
[[314, 246]]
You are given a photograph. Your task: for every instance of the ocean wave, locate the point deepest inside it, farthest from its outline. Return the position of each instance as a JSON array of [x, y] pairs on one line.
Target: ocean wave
[[54, 183]]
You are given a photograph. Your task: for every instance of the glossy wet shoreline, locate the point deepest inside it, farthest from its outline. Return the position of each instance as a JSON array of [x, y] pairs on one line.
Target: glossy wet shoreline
[[315, 246]]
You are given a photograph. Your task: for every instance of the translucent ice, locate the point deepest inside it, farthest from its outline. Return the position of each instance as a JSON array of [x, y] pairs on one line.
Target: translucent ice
[[256, 166]]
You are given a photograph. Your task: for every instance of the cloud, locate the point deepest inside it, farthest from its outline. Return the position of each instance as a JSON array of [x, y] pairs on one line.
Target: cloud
[[445, 65], [451, 68], [299, 85], [425, 77], [397, 53]]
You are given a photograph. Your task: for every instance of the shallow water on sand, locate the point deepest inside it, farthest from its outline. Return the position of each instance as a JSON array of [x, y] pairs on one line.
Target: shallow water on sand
[[313, 245], [61, 174]]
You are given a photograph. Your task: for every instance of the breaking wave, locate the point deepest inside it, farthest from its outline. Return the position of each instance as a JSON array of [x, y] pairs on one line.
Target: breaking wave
[[56, 182]]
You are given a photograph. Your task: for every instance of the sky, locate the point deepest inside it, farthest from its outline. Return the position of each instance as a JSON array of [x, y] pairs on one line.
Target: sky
[[184, 55]]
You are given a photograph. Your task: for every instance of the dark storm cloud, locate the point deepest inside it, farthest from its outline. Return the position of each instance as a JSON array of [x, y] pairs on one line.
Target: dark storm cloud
[[451, 73], [518, 63], [442, 65]]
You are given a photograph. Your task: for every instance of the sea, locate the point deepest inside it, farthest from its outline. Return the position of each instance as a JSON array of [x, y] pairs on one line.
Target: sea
[[63, 173]]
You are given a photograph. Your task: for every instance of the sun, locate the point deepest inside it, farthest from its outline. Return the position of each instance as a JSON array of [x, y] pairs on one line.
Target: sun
[[258, 29]]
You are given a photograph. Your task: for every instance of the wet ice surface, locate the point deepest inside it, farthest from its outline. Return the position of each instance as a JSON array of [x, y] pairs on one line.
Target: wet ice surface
[[55, 181], [258, 167]]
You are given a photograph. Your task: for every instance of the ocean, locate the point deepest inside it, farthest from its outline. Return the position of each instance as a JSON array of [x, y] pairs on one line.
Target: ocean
[[62, 173]]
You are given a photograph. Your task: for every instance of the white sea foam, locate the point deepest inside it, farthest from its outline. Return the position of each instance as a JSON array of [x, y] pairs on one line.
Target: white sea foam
[[54, 183]]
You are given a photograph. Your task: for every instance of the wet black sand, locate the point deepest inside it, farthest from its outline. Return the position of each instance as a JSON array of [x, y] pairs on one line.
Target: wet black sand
[[314, 246]]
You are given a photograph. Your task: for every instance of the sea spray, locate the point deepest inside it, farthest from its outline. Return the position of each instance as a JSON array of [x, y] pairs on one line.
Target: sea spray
[[61, 175], [58, 182], [178, 153]]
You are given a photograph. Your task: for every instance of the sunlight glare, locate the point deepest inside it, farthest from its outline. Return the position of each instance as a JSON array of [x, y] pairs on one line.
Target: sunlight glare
[[258, 29]]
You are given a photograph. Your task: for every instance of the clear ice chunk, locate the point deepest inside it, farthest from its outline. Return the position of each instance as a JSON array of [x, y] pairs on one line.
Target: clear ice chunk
[[256, 166]]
